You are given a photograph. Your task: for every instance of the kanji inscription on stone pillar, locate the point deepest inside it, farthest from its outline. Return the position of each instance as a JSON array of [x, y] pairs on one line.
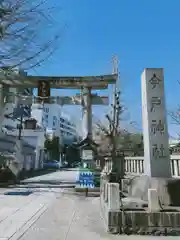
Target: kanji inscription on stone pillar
[[155, 131]]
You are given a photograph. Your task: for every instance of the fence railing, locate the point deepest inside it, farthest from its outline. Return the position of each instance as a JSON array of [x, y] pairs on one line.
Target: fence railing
[[135, 165]]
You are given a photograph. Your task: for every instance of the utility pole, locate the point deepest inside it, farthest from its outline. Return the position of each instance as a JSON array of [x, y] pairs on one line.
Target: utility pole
[[20, 125], [117, 164], [21, 122]]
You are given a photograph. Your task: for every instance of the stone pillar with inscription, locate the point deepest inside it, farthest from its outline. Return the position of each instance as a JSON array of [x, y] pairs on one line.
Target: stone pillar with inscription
[[155, 131]]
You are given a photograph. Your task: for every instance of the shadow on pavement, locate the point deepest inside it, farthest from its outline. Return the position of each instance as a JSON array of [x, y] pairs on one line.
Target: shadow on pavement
[[90, 194]]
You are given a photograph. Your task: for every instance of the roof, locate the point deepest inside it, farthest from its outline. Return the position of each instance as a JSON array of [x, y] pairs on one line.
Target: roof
[[87, 142]]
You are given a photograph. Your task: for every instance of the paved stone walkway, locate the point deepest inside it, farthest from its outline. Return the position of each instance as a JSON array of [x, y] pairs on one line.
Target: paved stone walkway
[[71, 218], [55, 216], [18, 212]]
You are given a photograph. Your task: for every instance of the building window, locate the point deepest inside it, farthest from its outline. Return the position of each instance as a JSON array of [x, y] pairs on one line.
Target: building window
[[54, 121], [62, 132], [46, 110], [61, 119]]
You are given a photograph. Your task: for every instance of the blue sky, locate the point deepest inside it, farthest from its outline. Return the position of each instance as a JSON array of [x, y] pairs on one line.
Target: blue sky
[[141, 33]]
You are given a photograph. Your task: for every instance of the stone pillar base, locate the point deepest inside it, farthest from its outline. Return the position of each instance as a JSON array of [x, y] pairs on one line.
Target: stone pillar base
[[168, 189]]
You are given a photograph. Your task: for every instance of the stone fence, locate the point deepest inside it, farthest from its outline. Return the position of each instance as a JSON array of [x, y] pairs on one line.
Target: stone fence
[[135, 165], [120, 219], [110, 205]]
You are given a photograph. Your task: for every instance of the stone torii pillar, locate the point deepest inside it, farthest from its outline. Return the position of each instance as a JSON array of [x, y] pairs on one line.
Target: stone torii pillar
[[86, 112]]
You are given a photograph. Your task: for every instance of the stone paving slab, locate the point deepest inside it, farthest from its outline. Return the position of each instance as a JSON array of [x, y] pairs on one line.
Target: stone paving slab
[[6, 212], [55, 216], [72, 217], [18, 213], [19, 233], [15, 201]]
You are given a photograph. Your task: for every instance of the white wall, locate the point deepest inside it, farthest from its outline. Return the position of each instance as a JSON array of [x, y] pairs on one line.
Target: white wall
[[8, 110], [52, 115], [37, 113], [34, 138]]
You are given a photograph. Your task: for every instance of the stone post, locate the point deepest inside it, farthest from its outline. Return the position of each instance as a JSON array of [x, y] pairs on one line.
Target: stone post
[[113, 196], [153, 200], [114, 220], [87, 112], [156, 146]]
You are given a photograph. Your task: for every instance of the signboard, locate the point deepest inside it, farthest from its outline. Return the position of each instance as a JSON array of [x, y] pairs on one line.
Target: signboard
[[87, 154], [84, 81], [44, 90], [86, 179]]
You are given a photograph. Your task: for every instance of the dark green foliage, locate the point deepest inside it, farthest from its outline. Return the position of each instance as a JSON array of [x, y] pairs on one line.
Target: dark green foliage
[[72, 154], [52, 147], [173, 187], [132, 143]]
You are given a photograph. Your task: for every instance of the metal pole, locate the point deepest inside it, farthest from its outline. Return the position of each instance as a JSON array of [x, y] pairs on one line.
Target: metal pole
[[61, 142], [20, 125], [86, 192], [115, 121]]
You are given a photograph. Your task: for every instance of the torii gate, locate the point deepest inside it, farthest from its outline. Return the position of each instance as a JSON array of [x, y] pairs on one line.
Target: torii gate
[[45, 83]]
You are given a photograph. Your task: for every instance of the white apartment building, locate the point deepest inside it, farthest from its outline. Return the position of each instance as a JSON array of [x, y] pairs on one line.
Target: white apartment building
[[54, 120]]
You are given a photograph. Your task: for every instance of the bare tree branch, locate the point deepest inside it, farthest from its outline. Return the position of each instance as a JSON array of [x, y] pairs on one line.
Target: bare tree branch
[[175, 116], [28, 35], [112, 129]]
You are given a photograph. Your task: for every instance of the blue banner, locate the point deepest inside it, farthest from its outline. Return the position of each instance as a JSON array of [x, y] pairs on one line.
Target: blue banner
[[86, 179]]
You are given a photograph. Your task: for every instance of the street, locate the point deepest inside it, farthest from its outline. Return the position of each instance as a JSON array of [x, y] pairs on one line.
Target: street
[[54, 213]]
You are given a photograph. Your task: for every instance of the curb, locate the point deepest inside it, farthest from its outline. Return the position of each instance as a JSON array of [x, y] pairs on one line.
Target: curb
[[42, 186], [78, 189]]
